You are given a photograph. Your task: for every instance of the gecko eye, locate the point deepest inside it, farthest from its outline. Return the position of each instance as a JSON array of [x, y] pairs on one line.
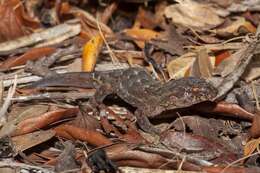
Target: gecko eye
[[173, 97]]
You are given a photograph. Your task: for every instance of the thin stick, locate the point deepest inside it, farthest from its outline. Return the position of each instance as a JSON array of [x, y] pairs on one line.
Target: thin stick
[[255, 95], [111, 53]]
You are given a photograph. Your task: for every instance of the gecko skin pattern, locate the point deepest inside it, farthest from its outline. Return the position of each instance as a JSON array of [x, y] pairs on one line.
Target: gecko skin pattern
[[137, 87]]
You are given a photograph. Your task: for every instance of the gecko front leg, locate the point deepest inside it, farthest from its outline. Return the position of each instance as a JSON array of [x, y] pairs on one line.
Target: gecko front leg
[[96, 102], [144, 123]]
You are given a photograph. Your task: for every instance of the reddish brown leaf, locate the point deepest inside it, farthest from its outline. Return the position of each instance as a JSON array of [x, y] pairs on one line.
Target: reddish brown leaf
[[255, 128], [108, 128], [14, 20], [221, 56], [226, 109], [32, 124], [11, 25], [32, 54], [92, 137]]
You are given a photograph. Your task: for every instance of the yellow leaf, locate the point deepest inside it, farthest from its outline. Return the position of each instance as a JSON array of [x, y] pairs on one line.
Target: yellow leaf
[[141, 35], [91, 51], [251, 146]]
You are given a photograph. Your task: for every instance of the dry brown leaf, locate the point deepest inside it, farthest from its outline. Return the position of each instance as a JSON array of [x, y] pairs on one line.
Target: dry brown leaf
[[205, 65], [24, 142], [89, 21], [240, 25], [171, 41], [179, 67], [141, 35], [91, 51], [209, 39], [242, 6], [146, 19], [253, 71], [202, 66], [75, 66], [205, 148], [188, 13]]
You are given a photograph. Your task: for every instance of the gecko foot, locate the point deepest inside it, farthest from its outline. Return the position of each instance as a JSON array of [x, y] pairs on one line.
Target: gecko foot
[[144, 123]]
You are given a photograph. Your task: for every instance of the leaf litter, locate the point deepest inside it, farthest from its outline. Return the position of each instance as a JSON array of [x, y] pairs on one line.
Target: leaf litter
[[57, 129]]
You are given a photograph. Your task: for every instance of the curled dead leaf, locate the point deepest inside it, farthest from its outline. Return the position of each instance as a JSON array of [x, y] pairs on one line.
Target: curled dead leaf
[[253, 71]]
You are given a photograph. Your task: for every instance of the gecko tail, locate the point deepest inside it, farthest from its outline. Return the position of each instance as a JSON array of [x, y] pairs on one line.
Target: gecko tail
[[75, 79]]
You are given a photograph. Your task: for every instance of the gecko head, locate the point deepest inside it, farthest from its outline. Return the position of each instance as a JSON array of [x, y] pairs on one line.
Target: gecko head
[[186, 92]]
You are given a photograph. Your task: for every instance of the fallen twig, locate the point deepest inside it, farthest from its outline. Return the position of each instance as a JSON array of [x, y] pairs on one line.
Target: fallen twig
[[45, 35]]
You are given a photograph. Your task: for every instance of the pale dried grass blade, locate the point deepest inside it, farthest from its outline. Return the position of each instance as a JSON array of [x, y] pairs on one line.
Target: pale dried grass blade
[[7, 102]]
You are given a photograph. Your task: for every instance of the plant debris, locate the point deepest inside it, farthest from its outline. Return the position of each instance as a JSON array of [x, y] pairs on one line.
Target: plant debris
[[129, 86]]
